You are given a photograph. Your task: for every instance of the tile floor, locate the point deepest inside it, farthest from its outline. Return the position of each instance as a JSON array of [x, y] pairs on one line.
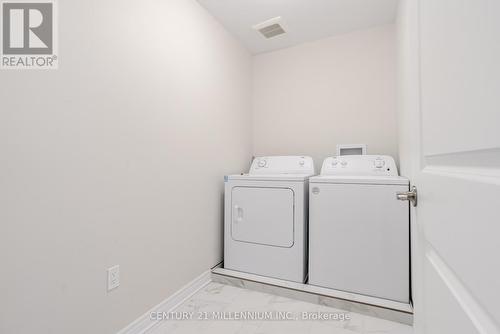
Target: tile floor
[[228, 301]]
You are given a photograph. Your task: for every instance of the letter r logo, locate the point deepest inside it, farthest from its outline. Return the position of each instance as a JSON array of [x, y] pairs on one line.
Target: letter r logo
[[27, 28]]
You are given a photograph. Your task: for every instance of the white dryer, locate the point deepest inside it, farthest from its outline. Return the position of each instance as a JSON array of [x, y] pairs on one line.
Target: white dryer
[[265, 222], [358, 232]]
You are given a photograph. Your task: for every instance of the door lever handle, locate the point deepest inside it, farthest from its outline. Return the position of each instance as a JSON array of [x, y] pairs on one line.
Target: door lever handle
[[411, 196]]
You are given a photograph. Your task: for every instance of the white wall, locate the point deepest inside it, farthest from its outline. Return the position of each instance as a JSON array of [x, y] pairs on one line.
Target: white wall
[[117, 158], [313, 96], [408, 86]]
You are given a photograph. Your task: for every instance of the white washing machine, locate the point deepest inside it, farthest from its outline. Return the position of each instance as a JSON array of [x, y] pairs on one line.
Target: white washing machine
[[265, 222], [358, 232]]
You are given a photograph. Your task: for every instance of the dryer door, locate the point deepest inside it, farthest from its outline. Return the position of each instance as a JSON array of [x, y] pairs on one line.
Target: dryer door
[[263, 215]]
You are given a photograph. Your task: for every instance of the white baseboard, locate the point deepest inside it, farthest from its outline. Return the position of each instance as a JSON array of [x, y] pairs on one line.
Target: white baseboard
[[144, 322]]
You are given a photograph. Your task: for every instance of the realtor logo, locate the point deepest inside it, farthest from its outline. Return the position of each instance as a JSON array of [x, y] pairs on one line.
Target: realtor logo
[[28, 35]]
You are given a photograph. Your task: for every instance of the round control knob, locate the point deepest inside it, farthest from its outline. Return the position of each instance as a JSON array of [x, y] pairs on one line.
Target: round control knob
[[301, 162], [343, 163], [262, 163], [379, 163], [335, 162]]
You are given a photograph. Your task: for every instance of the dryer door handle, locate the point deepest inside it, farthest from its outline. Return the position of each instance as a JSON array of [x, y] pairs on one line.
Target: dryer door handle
[[237, 214]]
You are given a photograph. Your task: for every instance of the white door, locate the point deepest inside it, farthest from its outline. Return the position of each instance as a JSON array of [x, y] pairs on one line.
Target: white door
[[263, 215], [450, 147]]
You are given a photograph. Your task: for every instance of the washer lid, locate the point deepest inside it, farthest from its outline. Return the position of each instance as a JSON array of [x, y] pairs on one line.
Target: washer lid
[[364, 179]]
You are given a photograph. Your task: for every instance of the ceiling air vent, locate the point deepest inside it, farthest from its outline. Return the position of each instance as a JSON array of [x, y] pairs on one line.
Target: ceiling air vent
[[271, 28]]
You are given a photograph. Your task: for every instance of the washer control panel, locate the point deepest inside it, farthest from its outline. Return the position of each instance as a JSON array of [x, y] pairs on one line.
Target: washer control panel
[[282, 165], [360, 165]]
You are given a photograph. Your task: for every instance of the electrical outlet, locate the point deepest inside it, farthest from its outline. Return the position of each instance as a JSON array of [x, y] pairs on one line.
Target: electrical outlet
[[113, 277]]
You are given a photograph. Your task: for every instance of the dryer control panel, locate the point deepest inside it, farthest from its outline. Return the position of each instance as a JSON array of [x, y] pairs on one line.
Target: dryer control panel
[[282, 165], [382, 165]]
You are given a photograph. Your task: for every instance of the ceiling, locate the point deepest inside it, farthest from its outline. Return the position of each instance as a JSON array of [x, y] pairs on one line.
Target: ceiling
[[305, 20]]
